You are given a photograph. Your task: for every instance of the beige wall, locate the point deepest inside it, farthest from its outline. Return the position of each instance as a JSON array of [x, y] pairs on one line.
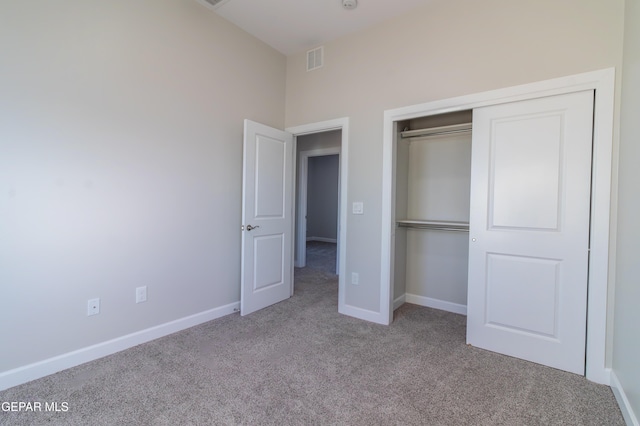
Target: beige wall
[[626, 348], [120, 165], [445, 49]]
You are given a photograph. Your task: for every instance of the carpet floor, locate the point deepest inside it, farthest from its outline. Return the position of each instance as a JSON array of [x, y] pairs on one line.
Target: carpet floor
[[321, 255], [299, 362]]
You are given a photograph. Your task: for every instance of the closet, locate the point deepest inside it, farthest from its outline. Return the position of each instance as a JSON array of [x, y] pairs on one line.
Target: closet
[[432, 188], [492, 215], [532, 181]]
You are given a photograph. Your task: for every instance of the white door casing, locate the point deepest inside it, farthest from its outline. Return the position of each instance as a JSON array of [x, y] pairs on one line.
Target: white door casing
[[267, 217], [324, 126], [529, 229]]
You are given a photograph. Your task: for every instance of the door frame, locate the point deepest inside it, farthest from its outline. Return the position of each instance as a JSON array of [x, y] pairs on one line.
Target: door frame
[[320, 127], [603, 82], [301, 202]]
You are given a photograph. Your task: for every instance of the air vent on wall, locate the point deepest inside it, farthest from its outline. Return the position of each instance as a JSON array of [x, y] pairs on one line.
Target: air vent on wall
[[315, 58], [213, 4]]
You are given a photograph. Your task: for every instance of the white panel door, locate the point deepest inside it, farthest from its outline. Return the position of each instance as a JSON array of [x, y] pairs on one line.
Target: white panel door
[[267, 217], [529, 229]]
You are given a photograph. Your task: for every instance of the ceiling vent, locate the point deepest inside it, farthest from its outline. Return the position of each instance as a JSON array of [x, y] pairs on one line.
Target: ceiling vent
[[349, 4], [315, 58], [213, 4]]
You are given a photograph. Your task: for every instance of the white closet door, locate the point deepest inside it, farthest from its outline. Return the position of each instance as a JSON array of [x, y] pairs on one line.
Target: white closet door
[[529, 229]]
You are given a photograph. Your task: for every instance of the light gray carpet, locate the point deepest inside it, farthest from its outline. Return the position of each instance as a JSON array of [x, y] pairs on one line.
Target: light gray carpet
[[301, 363], [321, 255]]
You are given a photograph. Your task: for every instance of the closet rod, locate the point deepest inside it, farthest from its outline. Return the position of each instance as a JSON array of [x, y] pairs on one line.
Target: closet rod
[[436, 131], [434, 225], [435, 229]]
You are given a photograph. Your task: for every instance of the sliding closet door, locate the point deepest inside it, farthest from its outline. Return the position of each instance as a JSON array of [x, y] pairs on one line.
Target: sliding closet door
[[529, 229]]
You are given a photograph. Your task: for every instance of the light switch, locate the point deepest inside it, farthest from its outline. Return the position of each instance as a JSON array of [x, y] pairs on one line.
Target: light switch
[[358, 207]]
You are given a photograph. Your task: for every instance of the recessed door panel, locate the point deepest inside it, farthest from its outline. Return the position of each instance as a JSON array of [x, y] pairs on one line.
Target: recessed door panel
[[526, 169], [269, 177], [522, 294], [268, 261]]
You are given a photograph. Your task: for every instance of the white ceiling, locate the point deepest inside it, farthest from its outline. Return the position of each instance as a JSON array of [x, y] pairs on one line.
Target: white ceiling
[[293, 26]]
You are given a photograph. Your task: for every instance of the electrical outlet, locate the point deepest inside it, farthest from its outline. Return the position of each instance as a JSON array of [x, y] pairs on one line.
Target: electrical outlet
[[355, 278], [141, 294], [93, 307], [358, 207]]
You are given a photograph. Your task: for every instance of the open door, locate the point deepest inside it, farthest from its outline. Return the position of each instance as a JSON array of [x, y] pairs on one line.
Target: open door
[[529, 229], [267, 217]]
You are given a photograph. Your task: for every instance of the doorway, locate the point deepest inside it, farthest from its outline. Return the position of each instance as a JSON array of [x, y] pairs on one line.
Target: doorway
[[339, 128], [322, 208], [318, 197]]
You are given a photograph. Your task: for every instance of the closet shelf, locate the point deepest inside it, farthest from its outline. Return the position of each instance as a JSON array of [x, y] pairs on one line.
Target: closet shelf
[[439, 225], [437, 131]]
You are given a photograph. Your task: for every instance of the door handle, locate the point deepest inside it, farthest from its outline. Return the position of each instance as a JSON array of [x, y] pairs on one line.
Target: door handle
[[249, 227]]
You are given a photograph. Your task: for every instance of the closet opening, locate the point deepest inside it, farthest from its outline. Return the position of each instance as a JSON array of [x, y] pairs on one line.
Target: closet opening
[[432, 190]]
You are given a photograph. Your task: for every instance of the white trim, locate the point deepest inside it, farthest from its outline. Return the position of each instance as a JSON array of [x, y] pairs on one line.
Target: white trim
[[443, 305], [625, 406], [52, 365], [301, 201], [399, 301], [363, 314], [323, 126], [596, 368], [602, 82]]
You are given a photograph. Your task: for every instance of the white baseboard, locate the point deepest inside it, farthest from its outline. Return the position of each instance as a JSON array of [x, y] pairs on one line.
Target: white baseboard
[[627, 411], [399, 302], [323, 239], [49, 366], [436, 304], [363, 314]]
